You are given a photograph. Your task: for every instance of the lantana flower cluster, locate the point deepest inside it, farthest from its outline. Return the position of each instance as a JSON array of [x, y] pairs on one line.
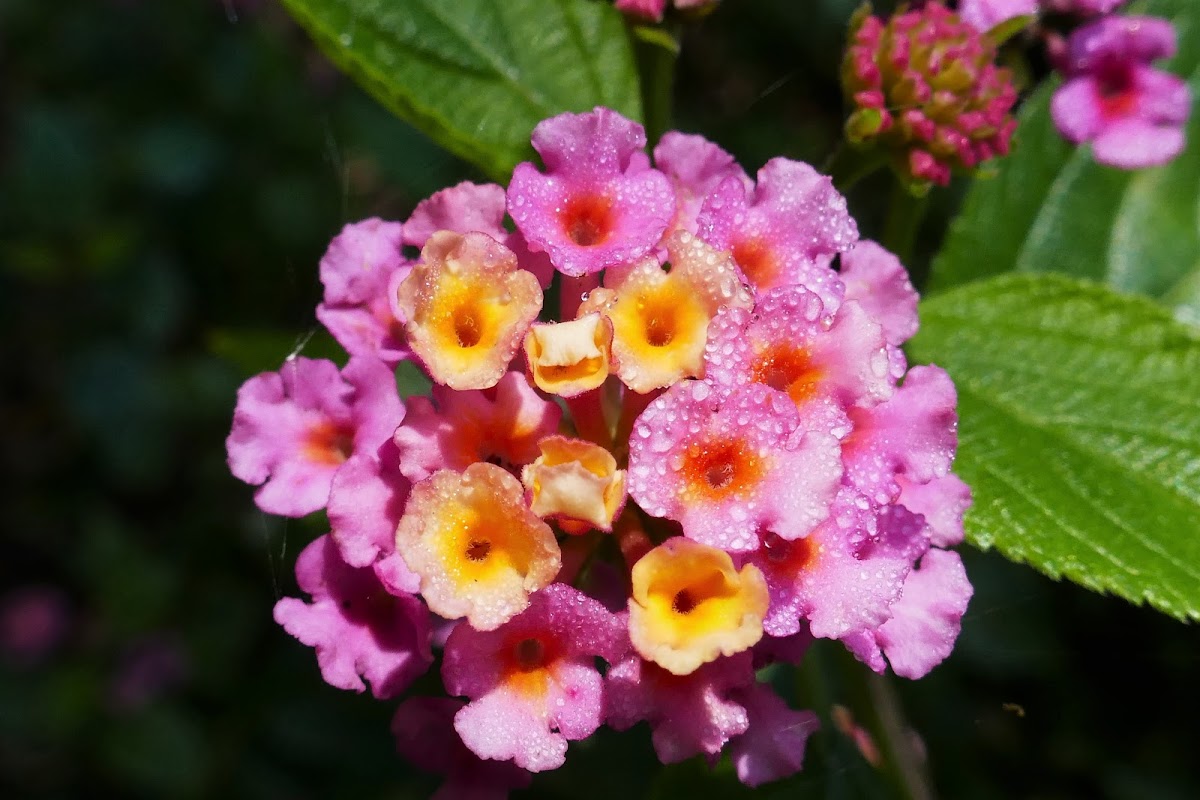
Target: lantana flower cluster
[[672, 437]]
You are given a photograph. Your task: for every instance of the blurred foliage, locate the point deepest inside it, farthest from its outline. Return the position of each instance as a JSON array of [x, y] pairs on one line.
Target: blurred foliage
[[169, 176]]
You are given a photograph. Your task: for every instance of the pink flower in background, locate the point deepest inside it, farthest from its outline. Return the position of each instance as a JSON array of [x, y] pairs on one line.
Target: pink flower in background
[[926, 92], [1132, 114], [34, 620], [1082, 8], [987, 14], [654, 9]]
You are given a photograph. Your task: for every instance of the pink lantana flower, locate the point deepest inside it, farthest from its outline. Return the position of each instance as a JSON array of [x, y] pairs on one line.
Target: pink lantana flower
[[877, 281], [845, 575], [452, 430], [987, 14], [727, 465], [784, 231], [826, 363], [425, 735], [366, 501], [599, 204], [925, 621], [695, 166], [1132, 114], [468, 207], [532, 682], [356, 271], [772, 748], [914, 434], [690, 714], [357, 627], [294, 428]]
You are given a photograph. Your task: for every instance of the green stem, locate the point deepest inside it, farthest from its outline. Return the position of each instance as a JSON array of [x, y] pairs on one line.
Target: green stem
[[833, 682], [904, 218], [847, 166], [878, 709], [906, 766], [656, 50]]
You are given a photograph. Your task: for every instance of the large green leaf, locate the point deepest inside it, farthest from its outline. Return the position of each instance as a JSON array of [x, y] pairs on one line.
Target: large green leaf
[[1079, 431], [1051, 208], [477, 75]]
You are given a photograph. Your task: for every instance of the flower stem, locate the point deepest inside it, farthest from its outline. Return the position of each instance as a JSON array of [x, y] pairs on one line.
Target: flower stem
[[587, 412], [905, 765], [904, 217], [876, 705]]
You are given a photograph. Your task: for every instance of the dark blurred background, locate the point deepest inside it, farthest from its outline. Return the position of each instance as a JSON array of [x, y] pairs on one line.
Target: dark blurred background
[[170, 173]]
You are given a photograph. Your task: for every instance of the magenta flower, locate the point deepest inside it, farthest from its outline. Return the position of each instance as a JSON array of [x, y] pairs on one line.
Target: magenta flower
[[772, 748], [1132, 114], [942, 502], [784, 231], [925, 621], [468, 207], [294, 428], [366, 501], [845, 575], [987, 14], [599, 204], [927, 93], [825, 362], [654, 9], [462, 208], [695, 166], [532, 682], [356, 271], [727, 465], [1082, 8], [356, 626], [689, 714], [425, 735], [913, 434]]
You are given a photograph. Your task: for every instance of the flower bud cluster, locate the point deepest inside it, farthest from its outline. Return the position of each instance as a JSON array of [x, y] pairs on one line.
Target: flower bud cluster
[[715, 452], [925, 89]]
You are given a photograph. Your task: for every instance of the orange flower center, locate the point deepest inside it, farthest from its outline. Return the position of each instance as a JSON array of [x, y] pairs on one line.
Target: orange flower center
[[790, 370], [328, 443], [719, 469], [527, 664], [587, 219], [478, 550], [757, 260], [468, 327], [789, 557]]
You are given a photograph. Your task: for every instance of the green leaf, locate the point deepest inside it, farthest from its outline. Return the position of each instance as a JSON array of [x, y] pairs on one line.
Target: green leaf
[[477, 75], [1079, 431], [1051, 208]]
